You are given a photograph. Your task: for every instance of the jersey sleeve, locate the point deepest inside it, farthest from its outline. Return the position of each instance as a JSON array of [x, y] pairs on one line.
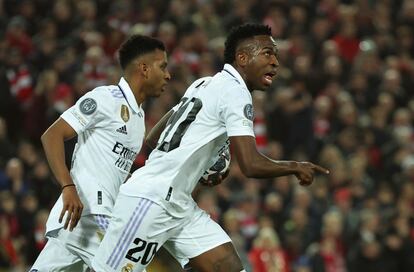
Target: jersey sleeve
[[236, 110], [86, 113]]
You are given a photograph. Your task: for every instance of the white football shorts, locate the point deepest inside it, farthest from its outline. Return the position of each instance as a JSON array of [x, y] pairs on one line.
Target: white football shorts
[[72, 251], [138, 229]]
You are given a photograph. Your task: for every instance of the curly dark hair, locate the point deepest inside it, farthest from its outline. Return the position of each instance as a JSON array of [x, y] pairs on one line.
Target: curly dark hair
[[239, 34], [135, 46]]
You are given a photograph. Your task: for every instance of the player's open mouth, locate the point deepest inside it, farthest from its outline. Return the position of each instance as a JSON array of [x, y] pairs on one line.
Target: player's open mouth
[[268, 78]]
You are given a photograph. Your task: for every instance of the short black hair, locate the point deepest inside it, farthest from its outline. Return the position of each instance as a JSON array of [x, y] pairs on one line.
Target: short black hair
[[135, 46], [239, 34]]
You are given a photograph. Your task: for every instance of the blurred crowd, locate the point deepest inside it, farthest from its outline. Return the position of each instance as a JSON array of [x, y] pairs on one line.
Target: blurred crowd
[[344, 98]]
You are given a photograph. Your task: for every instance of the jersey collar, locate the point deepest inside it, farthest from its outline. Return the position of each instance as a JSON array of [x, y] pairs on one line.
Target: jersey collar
[[231, 71], [128, 94]]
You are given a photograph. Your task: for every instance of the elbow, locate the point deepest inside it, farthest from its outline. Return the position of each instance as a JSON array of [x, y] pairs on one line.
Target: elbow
[[249, 174], [48, 136], [44, 137], [247, 169]]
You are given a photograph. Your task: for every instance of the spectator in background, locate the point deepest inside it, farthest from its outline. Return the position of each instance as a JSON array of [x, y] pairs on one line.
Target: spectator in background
[[27, 211], [9, 253], [50, 99], [43, 185], [17, 36], [332, 249], [266, 253], [19, 86], [232, 225], [95, 67], [17, 182]]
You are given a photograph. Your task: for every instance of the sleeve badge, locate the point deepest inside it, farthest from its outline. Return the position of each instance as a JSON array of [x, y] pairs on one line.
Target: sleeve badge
[[88, 106], [248, 112]]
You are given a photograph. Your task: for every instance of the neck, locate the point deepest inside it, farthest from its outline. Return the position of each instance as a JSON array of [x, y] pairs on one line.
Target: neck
[[136, 87], [243, 75]]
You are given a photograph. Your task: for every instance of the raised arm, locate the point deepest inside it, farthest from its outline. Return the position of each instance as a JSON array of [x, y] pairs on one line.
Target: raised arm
[[154, 134], [53, 145], [253, 164]]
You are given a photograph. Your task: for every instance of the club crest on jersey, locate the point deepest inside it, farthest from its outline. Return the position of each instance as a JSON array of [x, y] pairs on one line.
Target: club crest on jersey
[[248, 112], [127, 268], [100, 235], [124, 113], [88, 106]]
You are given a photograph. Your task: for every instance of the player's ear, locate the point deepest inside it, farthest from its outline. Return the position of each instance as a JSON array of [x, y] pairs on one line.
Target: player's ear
[[143, 69], [242, 58]]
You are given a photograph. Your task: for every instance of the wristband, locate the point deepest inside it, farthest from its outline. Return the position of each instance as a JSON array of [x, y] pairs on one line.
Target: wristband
[[67, 185]]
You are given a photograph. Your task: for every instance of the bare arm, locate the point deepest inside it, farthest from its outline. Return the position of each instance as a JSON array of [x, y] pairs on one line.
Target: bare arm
[[53, 145], [153, 136], [255, 165]]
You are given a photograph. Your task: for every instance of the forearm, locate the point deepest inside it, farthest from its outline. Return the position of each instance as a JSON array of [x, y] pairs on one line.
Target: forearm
[[53, 146], [264, 167], [55, 154], [253, 164]]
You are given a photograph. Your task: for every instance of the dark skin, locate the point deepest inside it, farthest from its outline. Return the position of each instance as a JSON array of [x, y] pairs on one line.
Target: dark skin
[[256, 61], [147, 76]]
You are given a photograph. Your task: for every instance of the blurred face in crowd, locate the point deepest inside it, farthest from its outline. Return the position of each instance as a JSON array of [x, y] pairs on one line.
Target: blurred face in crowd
[[257, 57], [157, 74], [14, 169]]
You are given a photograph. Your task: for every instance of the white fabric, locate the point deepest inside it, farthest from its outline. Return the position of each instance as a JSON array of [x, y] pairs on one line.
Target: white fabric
[[56, 257], [72, 251], [174, 167], [140, 227], [107, 146]]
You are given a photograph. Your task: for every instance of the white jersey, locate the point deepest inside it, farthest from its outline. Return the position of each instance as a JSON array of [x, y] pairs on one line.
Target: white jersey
[[110, 127], [212, 109]]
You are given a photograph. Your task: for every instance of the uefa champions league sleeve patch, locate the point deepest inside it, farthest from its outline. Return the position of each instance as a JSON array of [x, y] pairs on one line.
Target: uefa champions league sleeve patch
[[88, 106], [248, 112]]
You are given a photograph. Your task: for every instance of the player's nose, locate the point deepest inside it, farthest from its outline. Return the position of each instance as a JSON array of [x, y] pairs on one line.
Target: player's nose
[[167, 75], [274, 61]]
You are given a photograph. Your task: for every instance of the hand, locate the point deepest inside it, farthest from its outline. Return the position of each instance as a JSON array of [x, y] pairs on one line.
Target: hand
[[214, 179], [73, 205], [306, 170]]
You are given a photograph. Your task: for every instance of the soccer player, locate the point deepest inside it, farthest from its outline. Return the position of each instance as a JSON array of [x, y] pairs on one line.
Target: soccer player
[[155, 206], [109, 123]]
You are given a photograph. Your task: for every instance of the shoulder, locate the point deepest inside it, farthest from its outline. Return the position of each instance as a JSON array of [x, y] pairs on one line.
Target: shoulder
[[196, 85], [200, 82], [231, 88], [106, 94], [235, 96], [101, 98]]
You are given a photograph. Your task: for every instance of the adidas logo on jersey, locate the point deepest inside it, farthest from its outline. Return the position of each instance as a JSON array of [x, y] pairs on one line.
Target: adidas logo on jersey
[[122, 130]]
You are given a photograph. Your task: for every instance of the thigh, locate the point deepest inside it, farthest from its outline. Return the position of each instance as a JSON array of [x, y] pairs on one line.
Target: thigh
[[136, 231], [56, 257], [222, 258], [86, 237], [199, 235]]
